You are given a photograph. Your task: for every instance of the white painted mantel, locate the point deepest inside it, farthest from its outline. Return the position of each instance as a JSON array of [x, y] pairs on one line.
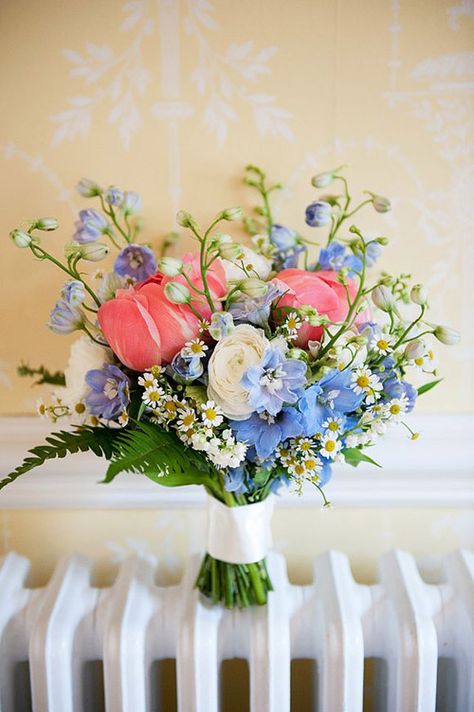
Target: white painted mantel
[[435, 470]]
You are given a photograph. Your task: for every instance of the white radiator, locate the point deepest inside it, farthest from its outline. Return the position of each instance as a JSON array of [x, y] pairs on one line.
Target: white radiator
[[52, 639]]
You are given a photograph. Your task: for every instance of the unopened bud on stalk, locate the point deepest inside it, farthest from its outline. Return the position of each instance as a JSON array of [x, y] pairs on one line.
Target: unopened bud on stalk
[[232, 214], [231, 251], [46, 224], [446, 335], [177, 293], [299, 354], [418, 295], [322, 180], [381, 204], [382, 241], [383, 299], [91, 251], [170, 266], [253, 287], [88, 188], [414, 349], [186, 219], [20, 238]]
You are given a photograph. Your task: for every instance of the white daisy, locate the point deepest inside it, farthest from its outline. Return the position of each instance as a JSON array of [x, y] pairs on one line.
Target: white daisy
[[397, 408], [292, 323], [330, 445], [382, 344], [147, 380], [211, 414], [187, 419], [366, 382], [334, 424], [196, 347], [153, 396], [123, 418]]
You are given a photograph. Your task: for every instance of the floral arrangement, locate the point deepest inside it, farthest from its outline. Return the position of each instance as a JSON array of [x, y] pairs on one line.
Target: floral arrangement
[[242, 370]]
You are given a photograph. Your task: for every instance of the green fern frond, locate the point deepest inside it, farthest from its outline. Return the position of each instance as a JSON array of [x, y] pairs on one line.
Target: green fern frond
[[159, 455], [100, 440]]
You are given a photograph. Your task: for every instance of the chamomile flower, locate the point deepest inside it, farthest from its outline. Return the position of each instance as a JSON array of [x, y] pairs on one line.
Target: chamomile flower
[[147, 380], [312, 464], [364, 381], [284, 454], [426, 363], [382, 344], [396, 408], [187, 419], [153, 396], [170, 407], [330, 446], [211, 414], [123, 418], [200, 441], [41, 408], [334, 425], [291, 325], [303, 445], [195, 347]]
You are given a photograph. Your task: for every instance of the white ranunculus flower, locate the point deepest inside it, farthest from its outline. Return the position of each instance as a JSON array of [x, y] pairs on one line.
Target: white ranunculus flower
[[253, 262], [84, 355], [232, 356]]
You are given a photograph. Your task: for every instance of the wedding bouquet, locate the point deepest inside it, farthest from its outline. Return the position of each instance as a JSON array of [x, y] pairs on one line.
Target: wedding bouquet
[[242, 370]]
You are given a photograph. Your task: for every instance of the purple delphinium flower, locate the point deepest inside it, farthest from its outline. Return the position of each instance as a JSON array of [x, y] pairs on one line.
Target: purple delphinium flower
[[65, 318], [334, 257], [256, 310], [274, 381], [131, 203], [265, 432], [110, 391], [136, 261], [114, 196], [90, 226], [318, 214], [185, 369], [332, 395], [372, 253], [73, 292]]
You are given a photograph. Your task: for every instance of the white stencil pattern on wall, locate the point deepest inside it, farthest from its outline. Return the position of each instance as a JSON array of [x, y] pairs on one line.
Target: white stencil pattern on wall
[[117, 81]]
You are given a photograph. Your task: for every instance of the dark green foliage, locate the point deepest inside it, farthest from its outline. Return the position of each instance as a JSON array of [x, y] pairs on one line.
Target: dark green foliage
[[45, 376]]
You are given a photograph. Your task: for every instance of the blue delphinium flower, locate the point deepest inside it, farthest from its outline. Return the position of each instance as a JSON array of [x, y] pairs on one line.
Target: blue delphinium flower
[[265, 432], [318, 214], [334, 257], [234, 480], [222, 323], [372, 253], [136, 261], [73, 292], [394, 388], [274, 381], [255, 310], [90, 226], [283, 237], [332, 395], [65, 318], [110, 391], [185, 369]]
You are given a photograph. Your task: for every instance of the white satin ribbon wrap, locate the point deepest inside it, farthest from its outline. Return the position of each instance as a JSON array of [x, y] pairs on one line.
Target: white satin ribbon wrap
[[239, 535]]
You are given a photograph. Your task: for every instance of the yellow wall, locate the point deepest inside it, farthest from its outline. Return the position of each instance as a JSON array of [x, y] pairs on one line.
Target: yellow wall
[[385, 87]]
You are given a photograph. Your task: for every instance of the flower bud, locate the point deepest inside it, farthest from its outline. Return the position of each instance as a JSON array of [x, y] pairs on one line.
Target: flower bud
[[253, 287], [222, 238], [381, 204], [46, 224], [446, 335], [185, 219], [170, 266], [21, 238], [322, 180], [177, 293], [232, 214], [90, 251], [418, 295], [131, 203], [414, 349], [231, 251], [88, 188], [382, 241], [318, 214], [114, 196], [383, 299], [299, 354]]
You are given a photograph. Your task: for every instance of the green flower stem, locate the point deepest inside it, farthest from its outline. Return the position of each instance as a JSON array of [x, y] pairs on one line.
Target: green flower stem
[[257, 583], [41, 254], [91, 336], [111, 213], [356, 209]]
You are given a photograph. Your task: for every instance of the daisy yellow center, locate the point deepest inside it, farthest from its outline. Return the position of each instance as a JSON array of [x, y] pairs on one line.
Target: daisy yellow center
[[430, 354], [196, 348], [395, 409], [210, 413], [79, 407], [94, 420], [148, 383], [334, 427], [382, 344], [330, 445], [363, 381], [154, 396], [170, 406], [284, 453], [188, 419], [292, 323], [42, 409], [305, 446], [310, 464], [419, 361], [299, 469]]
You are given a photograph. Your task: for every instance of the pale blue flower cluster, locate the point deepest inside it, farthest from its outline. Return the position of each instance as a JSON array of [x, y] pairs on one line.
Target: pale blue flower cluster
[[109, 393]]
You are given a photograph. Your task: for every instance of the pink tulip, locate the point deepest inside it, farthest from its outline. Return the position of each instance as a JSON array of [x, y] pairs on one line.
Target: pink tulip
[[320, 290], [143, 328]]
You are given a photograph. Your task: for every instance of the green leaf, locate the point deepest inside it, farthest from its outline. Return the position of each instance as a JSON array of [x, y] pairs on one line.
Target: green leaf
[[428, 386], [159, 455], [100, 440], [353, 456], [56, 379]]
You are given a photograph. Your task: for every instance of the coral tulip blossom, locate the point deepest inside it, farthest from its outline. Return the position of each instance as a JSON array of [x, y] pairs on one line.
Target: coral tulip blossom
[[320, 290], [143, 328]]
